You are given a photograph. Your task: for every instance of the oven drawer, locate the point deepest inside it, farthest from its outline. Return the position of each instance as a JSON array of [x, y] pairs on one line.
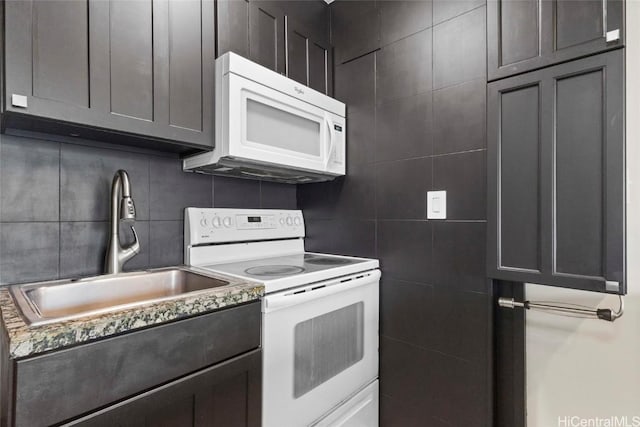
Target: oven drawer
[[63, 384]]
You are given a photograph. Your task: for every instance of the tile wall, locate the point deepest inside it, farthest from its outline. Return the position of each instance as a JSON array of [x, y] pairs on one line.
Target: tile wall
[[55, 205], [413, 75]]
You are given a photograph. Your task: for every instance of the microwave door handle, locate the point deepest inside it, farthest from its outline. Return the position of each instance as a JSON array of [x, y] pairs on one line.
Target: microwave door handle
[[332, 138]]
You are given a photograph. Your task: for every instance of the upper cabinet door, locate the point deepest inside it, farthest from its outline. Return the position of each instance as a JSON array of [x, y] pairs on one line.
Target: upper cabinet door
[[528, 34], [556, 176], [136, 67], [47, 51], [154, 67], [266, 34], [233, 27], [309, 57]]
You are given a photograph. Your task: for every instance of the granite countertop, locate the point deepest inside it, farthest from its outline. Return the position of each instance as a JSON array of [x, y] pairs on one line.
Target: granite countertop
[[25, 340]]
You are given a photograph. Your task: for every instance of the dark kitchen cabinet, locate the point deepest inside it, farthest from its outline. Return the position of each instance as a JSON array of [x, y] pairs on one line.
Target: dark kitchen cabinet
[[309, 56], [291, 38], [556, 179], [233, 27], [266, 34], [210, 363], [524, 35], [141, 68], [225, 395]]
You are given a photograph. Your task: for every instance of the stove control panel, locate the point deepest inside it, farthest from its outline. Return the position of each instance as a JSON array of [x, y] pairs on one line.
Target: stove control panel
[[218, 225]]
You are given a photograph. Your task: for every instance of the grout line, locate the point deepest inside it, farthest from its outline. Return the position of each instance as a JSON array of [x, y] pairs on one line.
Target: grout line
[[475, 150], [431, 350], [430, 27], [359, 56], [459, 15]]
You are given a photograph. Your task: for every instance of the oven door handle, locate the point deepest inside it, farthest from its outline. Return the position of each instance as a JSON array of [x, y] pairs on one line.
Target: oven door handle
[[318, 290]]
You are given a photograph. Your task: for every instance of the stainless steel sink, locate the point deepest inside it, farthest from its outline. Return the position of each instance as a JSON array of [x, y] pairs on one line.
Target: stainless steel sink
[[60, 300]]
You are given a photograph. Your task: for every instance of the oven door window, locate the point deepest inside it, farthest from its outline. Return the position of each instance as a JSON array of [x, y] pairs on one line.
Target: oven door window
[[326, 345]]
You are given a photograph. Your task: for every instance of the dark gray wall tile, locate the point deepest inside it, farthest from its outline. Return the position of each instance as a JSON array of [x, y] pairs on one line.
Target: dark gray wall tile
[[407, 373], [463, 176], [317, 200], [86, 174], [459, 49], [459, 261], [235, 193], [447, 9], [355, 195], [166, 247], [397, 413], [406, 311], [459, 117], [83, 246], [401, 18], [404, 128], [28, 251], [404, 249], [355, 85], [278, 196], [171, 190], [403, 68], [348, 197], [466, 315], [343, 237], [401, 189], [29, 179], [361, 139], [355, 28], [462, 398]]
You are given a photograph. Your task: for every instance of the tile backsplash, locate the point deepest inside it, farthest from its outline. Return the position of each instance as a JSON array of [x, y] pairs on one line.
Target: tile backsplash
[[55, 206]]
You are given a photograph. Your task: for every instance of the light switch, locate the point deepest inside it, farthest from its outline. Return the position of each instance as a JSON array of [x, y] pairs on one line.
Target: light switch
[[436, 205]]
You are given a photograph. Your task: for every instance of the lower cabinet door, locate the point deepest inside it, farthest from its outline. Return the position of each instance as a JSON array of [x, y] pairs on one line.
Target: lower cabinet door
[[226, 395]]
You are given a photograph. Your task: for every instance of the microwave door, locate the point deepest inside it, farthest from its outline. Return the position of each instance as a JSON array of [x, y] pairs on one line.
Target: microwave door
[[280, 129]]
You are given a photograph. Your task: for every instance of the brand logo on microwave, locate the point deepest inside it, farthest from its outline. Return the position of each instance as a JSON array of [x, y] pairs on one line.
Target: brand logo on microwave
[[298, 90]]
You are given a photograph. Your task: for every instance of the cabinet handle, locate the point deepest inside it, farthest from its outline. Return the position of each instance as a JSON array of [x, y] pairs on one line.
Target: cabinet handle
[[613, 35], [19, 101]]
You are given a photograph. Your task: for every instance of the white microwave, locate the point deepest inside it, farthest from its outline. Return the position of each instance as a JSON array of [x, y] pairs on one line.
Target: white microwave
[[272, 128]]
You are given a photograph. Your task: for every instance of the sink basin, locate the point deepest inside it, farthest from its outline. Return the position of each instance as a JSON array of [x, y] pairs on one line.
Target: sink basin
[[60, 300]]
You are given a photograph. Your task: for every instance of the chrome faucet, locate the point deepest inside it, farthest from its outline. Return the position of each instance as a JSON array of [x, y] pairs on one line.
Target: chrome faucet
[[121, 200]]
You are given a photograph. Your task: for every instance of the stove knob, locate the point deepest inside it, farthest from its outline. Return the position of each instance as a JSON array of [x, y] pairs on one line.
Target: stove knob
[[204, 222], [216, 222], [281, 221], [289, 220], [297, 221], [227, 221]]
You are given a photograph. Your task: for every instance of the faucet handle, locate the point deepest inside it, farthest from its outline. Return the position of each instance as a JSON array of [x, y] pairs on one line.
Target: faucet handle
[[125, 254], [135, 246]]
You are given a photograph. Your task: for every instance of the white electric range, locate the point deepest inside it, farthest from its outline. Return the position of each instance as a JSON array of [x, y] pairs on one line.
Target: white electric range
[[319, 314]]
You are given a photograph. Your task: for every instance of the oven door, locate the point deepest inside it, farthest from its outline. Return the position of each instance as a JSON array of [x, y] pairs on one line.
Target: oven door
[[320, 346], [270, 126]]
